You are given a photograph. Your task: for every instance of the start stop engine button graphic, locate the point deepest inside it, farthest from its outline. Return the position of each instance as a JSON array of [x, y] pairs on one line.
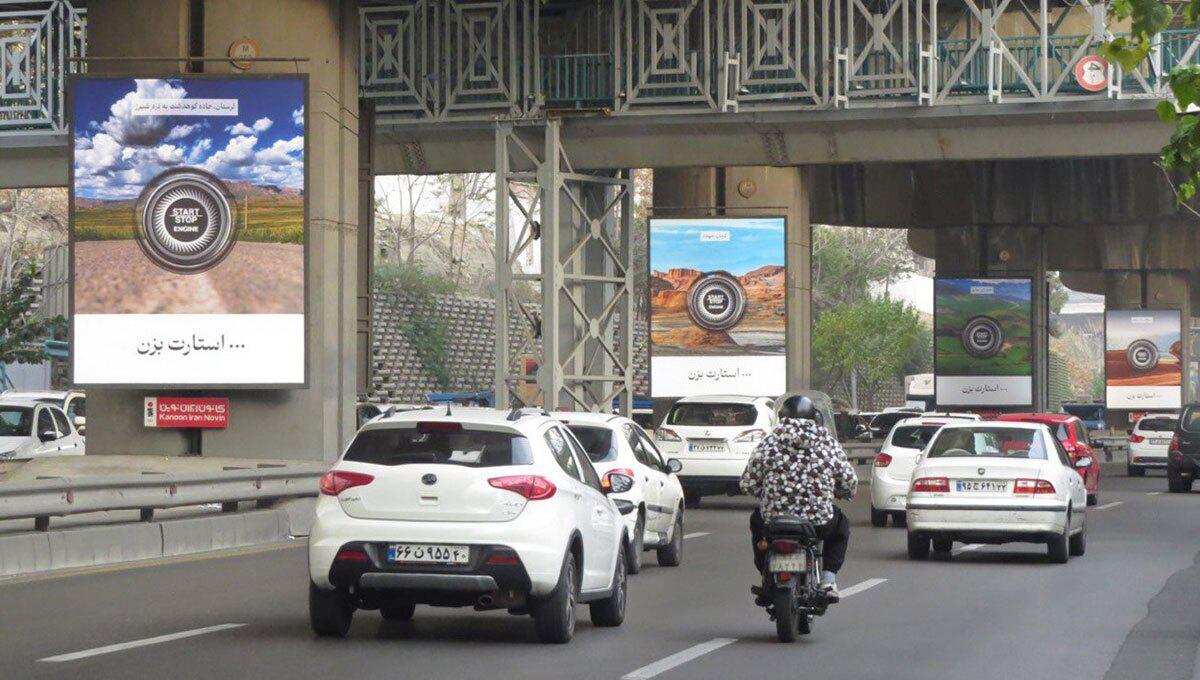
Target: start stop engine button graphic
[[1142, 355], [186, 220], [716, 301], [982, 337]]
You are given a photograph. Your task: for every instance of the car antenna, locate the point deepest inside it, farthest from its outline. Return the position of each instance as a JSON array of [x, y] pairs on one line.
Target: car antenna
[[448, 413]]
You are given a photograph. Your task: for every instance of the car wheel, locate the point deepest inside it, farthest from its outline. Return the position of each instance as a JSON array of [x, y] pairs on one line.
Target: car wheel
[[329, 611], [671, 554], [633, 556], [1057, 548], [1178, 485], [878, 517], [786, 625], [397, 611], [1135, 471], [554, 615], [918, 546], [942, 545], [1078, 542], [1093, 498], [691, 499], [610, 611]]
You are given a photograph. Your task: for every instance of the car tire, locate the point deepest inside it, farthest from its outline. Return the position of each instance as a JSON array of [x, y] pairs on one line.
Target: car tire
[[1178, 485], [943, 546], [397, 611], [786, 616], [878, 517], [1093, 498], [671, 554], [1058, 548], [610, 612], [918, 546], [900, 519], [691, 499], [1078, 543], [329, 611], [633, 556], [554, 615], [1135, 471]]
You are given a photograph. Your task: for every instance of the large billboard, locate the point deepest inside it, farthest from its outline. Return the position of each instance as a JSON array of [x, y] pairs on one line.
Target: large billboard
[[188, 231], [983, 342], [718, 306], [1143, 358]]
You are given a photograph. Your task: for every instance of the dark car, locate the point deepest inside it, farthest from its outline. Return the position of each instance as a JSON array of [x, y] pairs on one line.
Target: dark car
[[1183, 458], [882, 424]]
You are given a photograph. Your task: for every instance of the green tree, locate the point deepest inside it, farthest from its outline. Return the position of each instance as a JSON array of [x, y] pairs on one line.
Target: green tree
[[22, 329], [873, 339], [849, 261]]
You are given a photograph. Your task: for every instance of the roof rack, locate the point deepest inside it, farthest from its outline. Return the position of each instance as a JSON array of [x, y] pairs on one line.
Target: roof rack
[[519, 412]]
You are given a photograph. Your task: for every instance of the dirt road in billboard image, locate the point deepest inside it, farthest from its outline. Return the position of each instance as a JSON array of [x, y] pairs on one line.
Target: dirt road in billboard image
[[1166, 372]]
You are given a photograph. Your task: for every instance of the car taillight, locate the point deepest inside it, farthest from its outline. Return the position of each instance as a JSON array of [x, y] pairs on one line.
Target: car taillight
[[336, 481], [750, 436], [502, 558], [1175, 443], [352, 555], [931, 485], [619, 480], [1136, 439], [1034, 486], [783, 547], [533, 487], [667, 435], [883, 460]]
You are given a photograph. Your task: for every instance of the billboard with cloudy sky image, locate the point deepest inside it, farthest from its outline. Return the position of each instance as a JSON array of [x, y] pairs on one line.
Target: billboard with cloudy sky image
[[188, 231]]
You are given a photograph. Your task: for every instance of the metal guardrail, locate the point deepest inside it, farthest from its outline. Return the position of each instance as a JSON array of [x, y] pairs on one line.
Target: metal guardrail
[[43, 497]]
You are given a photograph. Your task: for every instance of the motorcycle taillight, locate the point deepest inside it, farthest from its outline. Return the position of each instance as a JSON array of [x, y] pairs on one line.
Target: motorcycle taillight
[[782, 547]]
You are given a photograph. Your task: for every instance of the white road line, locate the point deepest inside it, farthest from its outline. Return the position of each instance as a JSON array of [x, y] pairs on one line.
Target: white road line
[[697, 534], [678, 659], [1154, 493], [966, 548], [109, 649], [859, 587], [1109, 505]]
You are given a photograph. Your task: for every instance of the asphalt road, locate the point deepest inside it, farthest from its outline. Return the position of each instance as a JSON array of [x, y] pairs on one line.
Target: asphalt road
[[1130, 608]]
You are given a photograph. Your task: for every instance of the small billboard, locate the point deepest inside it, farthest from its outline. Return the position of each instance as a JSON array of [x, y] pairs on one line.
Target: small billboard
[[983, 335], [1143, 358]]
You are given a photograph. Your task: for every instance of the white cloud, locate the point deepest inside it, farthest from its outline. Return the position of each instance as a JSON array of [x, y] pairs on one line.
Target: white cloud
[[181, 131], [280, 152], [258, 127], [262, 125], [132, 130], [238, 153], [239, 129], [298, 117], [199, 149]]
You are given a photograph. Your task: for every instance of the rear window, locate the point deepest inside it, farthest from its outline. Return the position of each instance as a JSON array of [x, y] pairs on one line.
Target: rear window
[[913, 436], [413, 446], [713, 415], [15, 421], [988, 442], [597, 442], [1158, 424]]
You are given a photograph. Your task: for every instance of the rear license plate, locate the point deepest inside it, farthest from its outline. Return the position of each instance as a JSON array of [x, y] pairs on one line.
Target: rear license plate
[[423, 553], [706, 447], [796, 562], [1160, 442], [981, 485]]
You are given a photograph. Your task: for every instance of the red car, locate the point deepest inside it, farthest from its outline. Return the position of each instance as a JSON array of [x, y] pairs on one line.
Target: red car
[[1072, 434]]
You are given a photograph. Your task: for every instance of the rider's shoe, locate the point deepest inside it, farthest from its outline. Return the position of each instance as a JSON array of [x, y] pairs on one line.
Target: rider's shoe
[[829, 585]]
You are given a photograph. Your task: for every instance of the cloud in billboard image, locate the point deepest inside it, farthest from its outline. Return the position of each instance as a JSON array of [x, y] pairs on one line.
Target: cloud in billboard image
[[1143, 358], [983, 333], [188, 195]]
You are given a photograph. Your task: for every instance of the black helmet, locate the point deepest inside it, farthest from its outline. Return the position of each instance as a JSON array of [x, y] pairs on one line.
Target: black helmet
[[800, 406]]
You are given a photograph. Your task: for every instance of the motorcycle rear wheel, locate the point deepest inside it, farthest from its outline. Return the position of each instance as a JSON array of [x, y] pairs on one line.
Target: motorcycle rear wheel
[[786, 617]]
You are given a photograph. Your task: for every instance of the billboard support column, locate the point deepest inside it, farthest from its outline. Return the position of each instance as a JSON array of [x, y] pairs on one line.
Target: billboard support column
[[1041, 332]]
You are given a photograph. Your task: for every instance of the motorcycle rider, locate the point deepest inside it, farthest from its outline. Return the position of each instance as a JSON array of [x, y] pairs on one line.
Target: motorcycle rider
[[798, 470]]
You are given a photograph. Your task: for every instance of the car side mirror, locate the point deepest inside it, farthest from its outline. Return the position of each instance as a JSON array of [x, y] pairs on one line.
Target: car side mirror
[[48, 436], [674, 465], [1083, 462]]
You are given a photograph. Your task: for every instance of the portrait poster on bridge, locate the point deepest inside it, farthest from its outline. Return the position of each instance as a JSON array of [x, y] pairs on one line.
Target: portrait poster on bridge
[[1143, 358], [188, 231], [983, 335], [718, 306]]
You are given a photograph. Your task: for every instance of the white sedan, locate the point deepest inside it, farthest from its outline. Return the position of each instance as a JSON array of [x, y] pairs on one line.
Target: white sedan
[[991, 482], [470, 508], [31, 429], [641, 483]]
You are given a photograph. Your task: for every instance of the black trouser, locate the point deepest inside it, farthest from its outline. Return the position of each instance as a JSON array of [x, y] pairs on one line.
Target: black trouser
[[835, 533]]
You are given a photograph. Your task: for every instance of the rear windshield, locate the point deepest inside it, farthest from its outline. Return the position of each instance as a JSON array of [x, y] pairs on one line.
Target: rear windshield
[[16, 421], [411, 446], [1158, 424], [988, 442], [913, 436], [713, 415], [597, 441]]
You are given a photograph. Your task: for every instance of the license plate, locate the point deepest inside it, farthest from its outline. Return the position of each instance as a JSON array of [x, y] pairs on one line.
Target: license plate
[[706, 447], [796, 562], [423, 553], [981, 485], [1160, 442]]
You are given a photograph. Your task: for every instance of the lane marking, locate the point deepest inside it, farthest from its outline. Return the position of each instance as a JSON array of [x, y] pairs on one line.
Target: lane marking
[[1154, 493], [122, 646], [1109, 505], [697, 534], [678, 659], [966, 548], [859, 587]]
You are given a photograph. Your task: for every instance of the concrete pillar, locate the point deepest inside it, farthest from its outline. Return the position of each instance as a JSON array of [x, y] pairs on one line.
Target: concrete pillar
[[313, 423]]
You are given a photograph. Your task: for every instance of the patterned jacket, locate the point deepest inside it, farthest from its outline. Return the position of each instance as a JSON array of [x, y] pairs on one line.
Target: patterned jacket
[[798, 470]]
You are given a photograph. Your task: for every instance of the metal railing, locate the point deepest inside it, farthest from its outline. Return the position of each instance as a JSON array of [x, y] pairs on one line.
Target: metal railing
[[38, 40]]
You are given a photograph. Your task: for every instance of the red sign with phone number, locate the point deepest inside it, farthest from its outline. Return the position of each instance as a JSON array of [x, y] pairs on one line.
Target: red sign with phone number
[[210, 412]]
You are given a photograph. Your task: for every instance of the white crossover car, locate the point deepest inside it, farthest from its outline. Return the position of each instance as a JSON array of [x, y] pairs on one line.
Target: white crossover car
[[991, 482], [470, 507], [1149, 441], [72, 402], [892, 469], [639, 480], [32, 429], [713, 437]]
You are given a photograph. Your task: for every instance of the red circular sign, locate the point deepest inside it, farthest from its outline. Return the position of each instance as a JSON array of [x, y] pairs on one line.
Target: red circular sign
[[1092, 73]]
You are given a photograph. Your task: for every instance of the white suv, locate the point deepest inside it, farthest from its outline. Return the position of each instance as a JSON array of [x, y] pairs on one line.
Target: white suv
[[474, 507], [713, 437], [1149, 441], [891, 472], [641, 483]]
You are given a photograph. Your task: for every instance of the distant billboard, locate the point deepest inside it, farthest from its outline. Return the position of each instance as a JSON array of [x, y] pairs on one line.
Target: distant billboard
[[983, 333], [1143, 358], [718, 306], [188, 231]]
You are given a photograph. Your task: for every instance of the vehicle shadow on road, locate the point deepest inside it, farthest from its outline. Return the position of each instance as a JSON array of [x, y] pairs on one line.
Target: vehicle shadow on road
[[993, 555]]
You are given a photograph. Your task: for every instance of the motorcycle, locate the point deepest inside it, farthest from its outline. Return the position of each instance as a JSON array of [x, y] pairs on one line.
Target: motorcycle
[[791, 585]]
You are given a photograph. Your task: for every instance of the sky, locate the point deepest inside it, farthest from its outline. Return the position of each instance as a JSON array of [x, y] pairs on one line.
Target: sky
[[1123, 326], [117, 152], [753, 242]]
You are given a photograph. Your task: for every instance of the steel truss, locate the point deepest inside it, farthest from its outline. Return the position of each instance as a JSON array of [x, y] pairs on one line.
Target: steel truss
[[38, 40], [577, 226]]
